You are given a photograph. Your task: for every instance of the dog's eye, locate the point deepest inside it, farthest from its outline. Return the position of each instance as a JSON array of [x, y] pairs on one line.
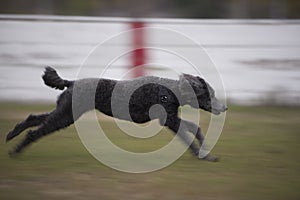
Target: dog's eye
[[164, 99]]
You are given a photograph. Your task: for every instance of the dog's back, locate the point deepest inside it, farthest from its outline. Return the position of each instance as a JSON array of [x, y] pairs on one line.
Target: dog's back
[[126, 99], [132, 99]]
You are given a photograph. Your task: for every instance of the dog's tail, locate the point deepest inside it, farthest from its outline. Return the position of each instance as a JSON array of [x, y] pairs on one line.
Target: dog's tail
[[52, 79]]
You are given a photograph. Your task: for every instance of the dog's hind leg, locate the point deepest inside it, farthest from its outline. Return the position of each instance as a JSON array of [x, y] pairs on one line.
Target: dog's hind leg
[[57, 120], [30, 121]]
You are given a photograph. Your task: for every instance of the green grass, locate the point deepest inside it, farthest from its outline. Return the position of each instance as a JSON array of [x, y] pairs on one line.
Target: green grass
[[259, 150]]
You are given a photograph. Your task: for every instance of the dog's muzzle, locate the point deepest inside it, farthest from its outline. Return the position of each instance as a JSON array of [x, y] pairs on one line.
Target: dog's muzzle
[[217, 107]]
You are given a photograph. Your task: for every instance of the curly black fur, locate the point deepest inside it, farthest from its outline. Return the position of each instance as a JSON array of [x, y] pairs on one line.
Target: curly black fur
[[52, 79], [146, 92]]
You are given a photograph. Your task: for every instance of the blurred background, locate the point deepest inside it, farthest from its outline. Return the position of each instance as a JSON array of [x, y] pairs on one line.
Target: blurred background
[[283, 9], [254, 44]]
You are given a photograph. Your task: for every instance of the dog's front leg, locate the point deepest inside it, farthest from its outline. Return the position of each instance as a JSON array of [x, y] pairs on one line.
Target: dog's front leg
[[174, 123], [196, 130]]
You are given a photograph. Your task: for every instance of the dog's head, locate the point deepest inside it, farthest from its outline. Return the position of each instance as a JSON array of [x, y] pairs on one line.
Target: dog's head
[[205, 94]]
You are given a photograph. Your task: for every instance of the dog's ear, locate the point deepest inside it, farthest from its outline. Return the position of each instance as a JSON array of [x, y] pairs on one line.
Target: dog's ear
[[183, 84], [187, 81]]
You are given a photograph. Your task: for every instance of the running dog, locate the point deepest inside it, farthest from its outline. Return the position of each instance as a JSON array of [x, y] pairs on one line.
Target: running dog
[[146, 92]]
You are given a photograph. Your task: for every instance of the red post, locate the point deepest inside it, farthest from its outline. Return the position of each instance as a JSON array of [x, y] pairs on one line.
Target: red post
[[139, 53]]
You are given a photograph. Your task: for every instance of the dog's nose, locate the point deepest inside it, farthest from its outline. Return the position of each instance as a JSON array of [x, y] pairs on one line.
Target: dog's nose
[[226, 108]]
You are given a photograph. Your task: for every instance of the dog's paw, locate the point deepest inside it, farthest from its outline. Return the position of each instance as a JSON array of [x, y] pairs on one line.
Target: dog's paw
[[211, 158], [12, 153], [10, 136]]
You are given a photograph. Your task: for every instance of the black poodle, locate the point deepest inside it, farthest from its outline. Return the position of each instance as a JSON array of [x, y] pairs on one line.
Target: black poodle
[[143, 93]]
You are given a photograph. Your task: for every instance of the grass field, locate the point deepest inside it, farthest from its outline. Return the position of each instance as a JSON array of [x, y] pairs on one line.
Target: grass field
[[259, 149]]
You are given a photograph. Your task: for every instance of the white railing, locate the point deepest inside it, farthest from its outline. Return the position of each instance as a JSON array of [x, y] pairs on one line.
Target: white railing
[[260, 56]]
